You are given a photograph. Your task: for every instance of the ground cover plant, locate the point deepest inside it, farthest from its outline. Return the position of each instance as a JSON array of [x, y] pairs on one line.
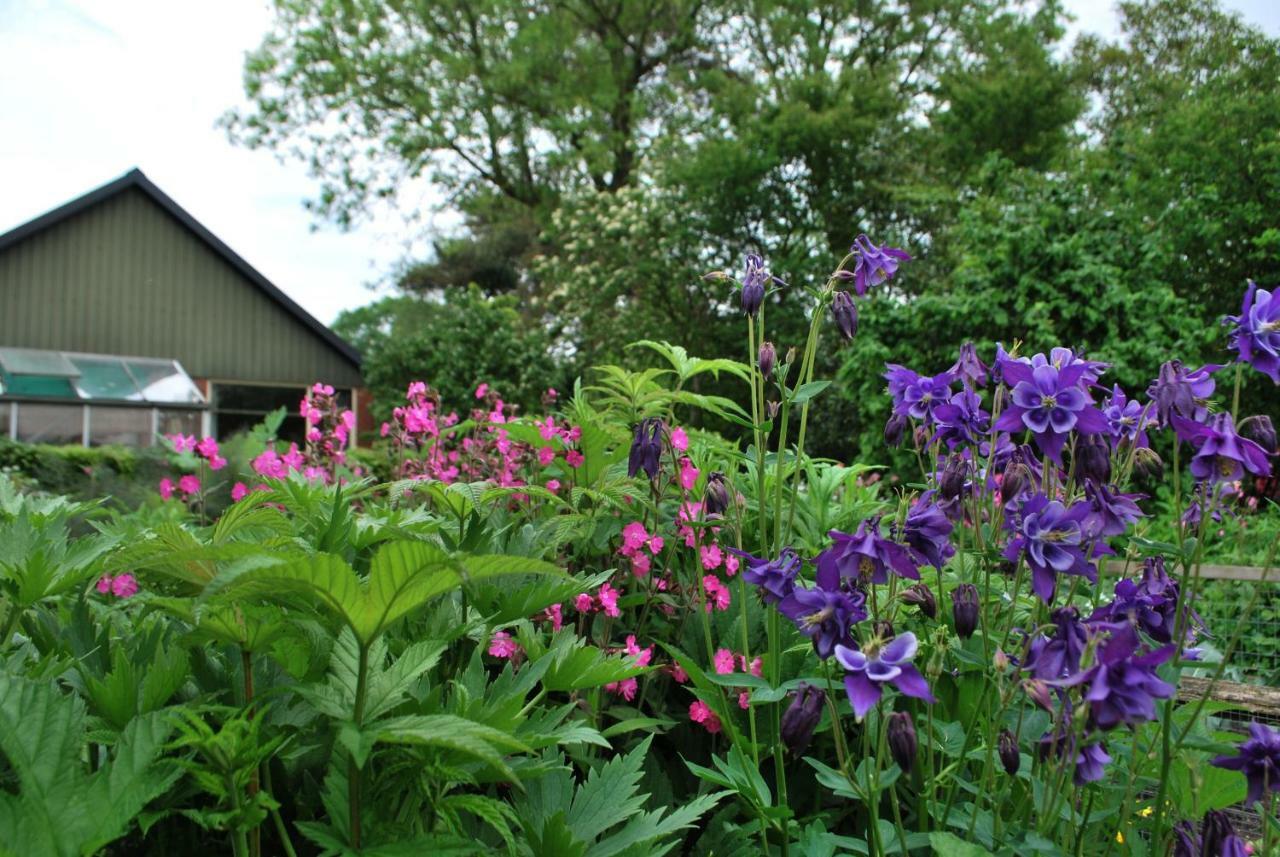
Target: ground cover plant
[[597, 630]]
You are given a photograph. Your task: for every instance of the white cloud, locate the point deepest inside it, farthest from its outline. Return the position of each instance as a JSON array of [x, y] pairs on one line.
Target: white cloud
[[92, 88]]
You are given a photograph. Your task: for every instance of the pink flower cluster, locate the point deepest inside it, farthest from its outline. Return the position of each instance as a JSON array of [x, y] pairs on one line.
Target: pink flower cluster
[[700, 712], [205, 447], [727, 662], [635, 541], [121, 586], [606, 600], [270, 464], [502, 645], [627, 687], [329, 430], [188, 486]]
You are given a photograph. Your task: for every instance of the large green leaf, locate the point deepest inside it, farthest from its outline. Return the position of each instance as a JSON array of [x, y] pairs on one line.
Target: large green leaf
[[447, 732]]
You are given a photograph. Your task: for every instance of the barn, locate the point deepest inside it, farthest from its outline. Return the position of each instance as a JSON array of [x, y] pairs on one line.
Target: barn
[[122, 317]]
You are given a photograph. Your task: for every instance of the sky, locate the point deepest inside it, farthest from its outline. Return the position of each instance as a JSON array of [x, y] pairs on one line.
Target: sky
[[90, 89]]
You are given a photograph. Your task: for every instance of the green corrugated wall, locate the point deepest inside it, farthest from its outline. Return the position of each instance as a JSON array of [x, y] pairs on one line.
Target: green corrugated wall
[[124, 277]]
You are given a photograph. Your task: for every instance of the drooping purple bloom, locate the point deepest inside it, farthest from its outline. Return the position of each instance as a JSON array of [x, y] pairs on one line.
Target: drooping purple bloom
[[1110, 514], [1127, 419], [1090, 761], [1123, 685], [965, 610], [961, 419], [1255, 332], [874, 265], [1178, 390], [917, 395], [824, 615], [1258, 758], [969, 368], [754, 280], [865, 556], [1051, 402], [1058, 657], [646, 448], [927, 533], [867, 672], [845, 313], [802, 717], [894, 428], [1221, 454], [1218, 837], [715, 497], [1052, 537], [776, 578], [902, 739], [1150, 604], [1092, 459], [1259, 429]]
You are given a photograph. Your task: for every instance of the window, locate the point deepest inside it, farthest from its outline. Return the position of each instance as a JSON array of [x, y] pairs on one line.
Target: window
[[239, 407], [179, 422], [56, 424], [119, 426], [6, 414]]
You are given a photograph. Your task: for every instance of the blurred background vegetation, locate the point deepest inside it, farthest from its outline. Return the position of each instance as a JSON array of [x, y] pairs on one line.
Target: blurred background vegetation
[[1112, 196]]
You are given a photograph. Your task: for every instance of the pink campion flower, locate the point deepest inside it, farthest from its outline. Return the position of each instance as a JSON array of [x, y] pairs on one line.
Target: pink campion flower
[[724, 661], [625, 688], [166, 488], [547, 429], [641, 564], [609, 601], [239, 491], [679, 440], [217, 462], [730, 564], [321, 389], [208, 447], [104, 584], [385, 430], [744, 700], [574, 458], [124, 585], [688, 474], [712, 556], [756, 668], [678, 673], [718, 596], [546, 455], [270, 465], [316, 474], [416, 388], [656, 544], [553, 485], [293, 459], [699, 712], [634, 535], [182, 442], [643, 656], [482, 391], [555, 615], [574, 434], [583, 603], [501, 645], [189, 485]]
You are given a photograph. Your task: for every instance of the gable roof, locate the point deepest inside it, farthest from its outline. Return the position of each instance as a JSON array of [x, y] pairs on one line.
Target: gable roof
[[135, 179]]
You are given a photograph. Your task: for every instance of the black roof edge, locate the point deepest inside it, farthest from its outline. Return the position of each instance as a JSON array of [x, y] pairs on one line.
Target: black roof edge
[[136, 179]]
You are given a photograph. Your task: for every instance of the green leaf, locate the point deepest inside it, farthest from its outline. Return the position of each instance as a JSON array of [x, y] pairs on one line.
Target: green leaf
[[608, 797], [950, 845], [805, 392], [447, 732]]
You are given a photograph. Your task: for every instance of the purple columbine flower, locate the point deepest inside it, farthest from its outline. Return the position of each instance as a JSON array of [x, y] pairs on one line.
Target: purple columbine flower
[[969, 368], [1090, 761], [865, 556], [1051, 402], [1218, 837], [754, 280], [874, 265], [1127, 418], [1258, 758], [824, 616], [867, 672], [776, 578], [1058, 657], [646, 448], [917, 395], [1150, 604], [927, 533], [1178, 390], [1255, 332], [1053, 538], [1221, 454], [961, 419], [845, 313], [1111, 514], [1123, 685]]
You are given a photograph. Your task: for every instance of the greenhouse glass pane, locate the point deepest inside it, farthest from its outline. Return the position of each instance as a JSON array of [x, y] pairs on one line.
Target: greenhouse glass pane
[[5, 415], [164, 381], [119, 426], [180, 422], [39, 385], [29, 361], [105, 378], [56, 424]]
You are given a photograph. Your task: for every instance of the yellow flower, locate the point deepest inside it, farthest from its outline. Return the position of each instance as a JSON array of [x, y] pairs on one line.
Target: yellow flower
[[1147, 812], [1119, 838]]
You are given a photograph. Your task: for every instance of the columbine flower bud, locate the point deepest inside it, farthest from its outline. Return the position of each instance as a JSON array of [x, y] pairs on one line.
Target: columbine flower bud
[[894, 429], [921, 596], [1147, 463], [791, 355], [1093, 460], [715, 499], [772, 408], [768, 358], [902, 739], [801, 718], [1007, 748], [1258, 428], [1000, 660], [951, 482], [845, 314], [920, 437], [1038, 691], [1016, 479], [883, 629], [964, 609]]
